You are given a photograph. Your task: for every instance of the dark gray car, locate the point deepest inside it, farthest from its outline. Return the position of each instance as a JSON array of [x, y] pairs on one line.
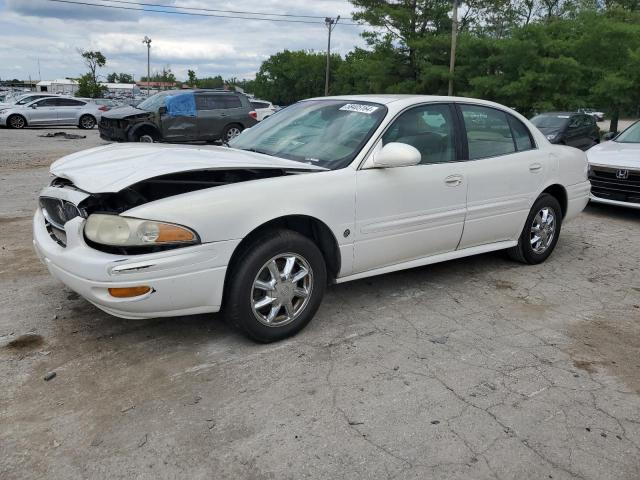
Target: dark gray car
[[180, 116], [568, 128]]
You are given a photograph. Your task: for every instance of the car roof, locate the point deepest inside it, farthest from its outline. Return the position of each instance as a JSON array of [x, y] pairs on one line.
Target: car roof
[[560, 113]]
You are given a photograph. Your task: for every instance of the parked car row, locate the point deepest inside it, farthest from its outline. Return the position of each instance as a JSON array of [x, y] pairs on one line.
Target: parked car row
[[568, 128]]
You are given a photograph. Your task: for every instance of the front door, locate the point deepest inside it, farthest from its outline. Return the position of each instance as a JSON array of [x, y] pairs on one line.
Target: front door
[[42, 112], [210, 111], [504, 172], [407, 213]]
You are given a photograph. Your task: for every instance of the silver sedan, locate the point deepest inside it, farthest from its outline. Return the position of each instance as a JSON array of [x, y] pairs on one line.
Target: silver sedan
[[52, 111]]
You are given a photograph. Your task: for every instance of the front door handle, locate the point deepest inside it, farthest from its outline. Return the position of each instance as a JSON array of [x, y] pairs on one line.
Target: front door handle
[[453, 180], [535, 167]]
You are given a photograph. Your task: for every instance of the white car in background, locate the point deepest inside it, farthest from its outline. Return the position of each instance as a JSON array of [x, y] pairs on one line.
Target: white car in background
[[24, 99], [263, 108], [614, 169], [338, 189], [52, 111]]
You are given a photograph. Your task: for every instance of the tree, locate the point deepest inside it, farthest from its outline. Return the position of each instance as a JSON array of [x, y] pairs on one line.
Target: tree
[[287, 76], [88, 83], [193, 81], [88, 88], [119, 78]]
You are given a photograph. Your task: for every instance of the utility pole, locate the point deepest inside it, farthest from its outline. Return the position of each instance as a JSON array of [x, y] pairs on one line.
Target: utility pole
[[454, 37], [147, 40], [330, 23]]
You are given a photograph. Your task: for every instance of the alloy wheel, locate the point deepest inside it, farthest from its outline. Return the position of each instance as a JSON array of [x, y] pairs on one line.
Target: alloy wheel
[[16, 121], [87, 122], [232, 132], [543, 230], [281, 290]]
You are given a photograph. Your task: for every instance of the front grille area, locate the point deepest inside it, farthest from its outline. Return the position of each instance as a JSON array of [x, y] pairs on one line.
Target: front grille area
[[606, 183], [57, 212]]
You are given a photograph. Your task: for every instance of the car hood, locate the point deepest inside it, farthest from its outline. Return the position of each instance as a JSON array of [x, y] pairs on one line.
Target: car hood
[[615, 154], [111, 168], [118, 113]]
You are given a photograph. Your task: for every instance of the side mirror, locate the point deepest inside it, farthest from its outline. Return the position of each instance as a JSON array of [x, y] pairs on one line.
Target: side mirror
[[34, 106], [162, 110], [609, 136], [397, 155]]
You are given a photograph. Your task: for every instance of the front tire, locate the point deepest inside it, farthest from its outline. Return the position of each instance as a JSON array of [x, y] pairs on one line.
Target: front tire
[[275, 286], [16, 121], [540, 233]]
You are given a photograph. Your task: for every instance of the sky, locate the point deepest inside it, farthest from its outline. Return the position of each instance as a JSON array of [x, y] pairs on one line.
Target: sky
[[51, 32]]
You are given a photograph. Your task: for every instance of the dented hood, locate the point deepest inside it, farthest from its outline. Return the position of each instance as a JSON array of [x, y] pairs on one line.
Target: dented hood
[[113, 167]]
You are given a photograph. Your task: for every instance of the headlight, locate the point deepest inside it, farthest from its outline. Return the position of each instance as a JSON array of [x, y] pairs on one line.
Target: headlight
[[3, 111], [551, 137], [117, 231]]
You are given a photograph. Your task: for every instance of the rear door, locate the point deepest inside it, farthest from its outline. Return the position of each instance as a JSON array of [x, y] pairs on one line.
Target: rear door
[[235, 111], [575, 132], [210, 114], [505, 171], [68, 110], [42, 112]]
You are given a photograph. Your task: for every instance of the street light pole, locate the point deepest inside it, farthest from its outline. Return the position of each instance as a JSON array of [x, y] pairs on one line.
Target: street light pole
[[454, 37], [147, 40], [330, 24]]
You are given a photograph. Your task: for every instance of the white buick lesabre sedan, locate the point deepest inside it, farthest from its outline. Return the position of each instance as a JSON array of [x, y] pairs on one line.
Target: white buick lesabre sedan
[[614, 169], [328, 190]]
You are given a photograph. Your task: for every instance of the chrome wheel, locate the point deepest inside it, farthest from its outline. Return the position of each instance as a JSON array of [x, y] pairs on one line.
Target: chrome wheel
[[145, 139], [281, 290], [87, 122], [16, 121], [232, 132], [543, 230]]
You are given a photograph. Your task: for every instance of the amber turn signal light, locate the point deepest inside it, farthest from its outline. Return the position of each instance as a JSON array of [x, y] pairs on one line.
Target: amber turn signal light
[[129, 292], [173, 233]]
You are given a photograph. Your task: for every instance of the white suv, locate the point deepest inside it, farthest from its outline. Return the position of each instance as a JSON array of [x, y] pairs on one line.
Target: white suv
[[263, 108]]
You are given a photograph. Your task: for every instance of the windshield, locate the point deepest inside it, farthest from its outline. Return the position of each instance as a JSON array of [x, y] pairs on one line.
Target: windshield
[[328, 133], [154, 102], [550, 121], [24, 99], [630, 135]]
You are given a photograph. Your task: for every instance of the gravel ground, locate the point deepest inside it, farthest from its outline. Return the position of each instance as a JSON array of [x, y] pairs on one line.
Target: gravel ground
[[473, 369]]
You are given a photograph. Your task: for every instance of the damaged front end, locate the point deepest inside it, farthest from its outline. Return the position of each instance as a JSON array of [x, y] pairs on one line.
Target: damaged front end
[[62, 201]]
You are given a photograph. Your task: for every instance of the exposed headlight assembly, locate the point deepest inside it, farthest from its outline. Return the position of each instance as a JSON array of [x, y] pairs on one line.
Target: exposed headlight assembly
[[117, 231]]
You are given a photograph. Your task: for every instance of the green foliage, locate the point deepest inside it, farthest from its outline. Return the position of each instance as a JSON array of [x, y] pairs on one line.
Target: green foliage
[[211, 82], [119, 78], [88, 88], [193, 81], [165, 75], [288, 76]]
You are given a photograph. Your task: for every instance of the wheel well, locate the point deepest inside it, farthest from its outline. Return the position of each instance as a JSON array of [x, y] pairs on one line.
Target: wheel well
[[560, 194], [18, 115], [310, 227], [144, 129]]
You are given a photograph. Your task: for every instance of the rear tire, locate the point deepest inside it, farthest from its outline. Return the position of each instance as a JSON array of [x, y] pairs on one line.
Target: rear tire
[[540, 233], [16, 121], [231, 131], [87, 122], [267, 293]]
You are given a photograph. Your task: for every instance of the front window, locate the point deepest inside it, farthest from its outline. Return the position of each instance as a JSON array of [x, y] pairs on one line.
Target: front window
[[154, 102], [630, 135], [328, 133]]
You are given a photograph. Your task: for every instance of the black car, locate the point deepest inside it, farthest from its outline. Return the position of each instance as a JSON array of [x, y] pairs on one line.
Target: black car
[[568, 128], [180, 116]]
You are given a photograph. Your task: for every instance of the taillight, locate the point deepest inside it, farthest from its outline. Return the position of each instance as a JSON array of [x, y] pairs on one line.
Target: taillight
[[103, 108], [253, 114]]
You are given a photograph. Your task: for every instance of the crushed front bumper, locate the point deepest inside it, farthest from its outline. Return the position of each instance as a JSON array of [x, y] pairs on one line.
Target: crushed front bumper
[[183, 281]]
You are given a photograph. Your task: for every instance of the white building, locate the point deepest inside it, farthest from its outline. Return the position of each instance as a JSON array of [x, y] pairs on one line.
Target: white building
[[63, 86], [122, 89]]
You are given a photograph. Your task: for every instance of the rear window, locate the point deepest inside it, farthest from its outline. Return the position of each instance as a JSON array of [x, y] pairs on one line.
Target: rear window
[[259, 105], [231, 101], [217, 102], [69, 102]]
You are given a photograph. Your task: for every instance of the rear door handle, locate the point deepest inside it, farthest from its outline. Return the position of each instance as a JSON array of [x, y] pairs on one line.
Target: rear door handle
[[453, 180], [535, 167]]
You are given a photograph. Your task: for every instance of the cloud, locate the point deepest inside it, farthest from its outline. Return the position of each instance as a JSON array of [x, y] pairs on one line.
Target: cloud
[[32, 30], [67, 11]]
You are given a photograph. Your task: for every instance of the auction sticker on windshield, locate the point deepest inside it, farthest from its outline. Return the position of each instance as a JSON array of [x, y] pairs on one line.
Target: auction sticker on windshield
[[357, 107]]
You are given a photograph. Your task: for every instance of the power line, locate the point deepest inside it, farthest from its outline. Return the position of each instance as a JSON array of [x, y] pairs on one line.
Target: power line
[[194, 14], [146, 4]]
